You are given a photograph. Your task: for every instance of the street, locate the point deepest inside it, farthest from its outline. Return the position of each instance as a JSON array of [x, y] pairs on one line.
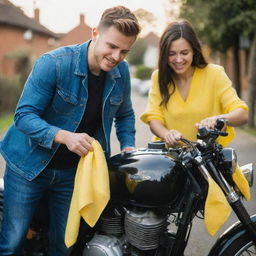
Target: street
[[200, 242]]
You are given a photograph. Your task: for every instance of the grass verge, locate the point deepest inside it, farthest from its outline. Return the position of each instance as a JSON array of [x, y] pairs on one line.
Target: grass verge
[[248, 130]]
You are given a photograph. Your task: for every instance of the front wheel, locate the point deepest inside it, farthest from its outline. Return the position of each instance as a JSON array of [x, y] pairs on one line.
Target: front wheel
[[243, 246]]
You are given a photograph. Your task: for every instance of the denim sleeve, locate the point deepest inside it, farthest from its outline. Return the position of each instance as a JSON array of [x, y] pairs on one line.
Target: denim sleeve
[[125, 119], [36, 96]]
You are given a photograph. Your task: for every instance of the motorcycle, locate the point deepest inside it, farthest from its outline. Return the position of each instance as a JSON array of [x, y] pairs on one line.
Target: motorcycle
[[156, 193]]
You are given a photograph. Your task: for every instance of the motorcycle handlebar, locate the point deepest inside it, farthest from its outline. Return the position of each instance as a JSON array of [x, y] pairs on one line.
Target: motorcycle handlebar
[[208, 136]]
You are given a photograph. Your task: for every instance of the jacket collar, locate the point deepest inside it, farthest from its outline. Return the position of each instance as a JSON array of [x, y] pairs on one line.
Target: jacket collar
[[82, 62]]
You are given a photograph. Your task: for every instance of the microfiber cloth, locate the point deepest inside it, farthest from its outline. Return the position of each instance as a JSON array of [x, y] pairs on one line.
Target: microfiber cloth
[[91, 192], [217, 209], [241, 182]]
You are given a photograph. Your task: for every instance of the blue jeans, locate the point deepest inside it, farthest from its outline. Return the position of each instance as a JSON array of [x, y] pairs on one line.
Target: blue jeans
[[21, 197]]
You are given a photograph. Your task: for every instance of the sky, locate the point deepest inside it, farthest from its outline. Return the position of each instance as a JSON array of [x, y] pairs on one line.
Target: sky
[[61, 16]]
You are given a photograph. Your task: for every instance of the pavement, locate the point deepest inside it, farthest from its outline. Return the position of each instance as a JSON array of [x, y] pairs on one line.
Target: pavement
[[200, 241]]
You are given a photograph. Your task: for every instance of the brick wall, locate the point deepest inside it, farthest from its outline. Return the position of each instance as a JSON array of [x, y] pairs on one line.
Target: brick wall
[[12, 39]]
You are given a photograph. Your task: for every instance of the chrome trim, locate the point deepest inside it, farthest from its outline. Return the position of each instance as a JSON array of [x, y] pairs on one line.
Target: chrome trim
[[1, 183]]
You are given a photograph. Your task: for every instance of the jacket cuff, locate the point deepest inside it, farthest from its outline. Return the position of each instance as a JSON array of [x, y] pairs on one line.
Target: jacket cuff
[[48, 140]]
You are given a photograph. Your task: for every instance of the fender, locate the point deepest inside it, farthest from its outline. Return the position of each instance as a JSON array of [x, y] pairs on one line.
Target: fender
[[228, 237]]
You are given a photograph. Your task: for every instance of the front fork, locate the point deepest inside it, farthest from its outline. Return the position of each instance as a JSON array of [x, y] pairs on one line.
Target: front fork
[[177, 247], [231, 196]]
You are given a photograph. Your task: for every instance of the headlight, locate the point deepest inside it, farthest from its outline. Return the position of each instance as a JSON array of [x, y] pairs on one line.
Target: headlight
[[229, 160], [247, 170]]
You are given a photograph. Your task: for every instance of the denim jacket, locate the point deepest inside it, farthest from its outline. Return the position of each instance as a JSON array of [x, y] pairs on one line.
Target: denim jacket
[[54, 97]]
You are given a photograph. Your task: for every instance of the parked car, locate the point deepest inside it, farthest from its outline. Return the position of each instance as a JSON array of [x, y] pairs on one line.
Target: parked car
[[144, 87]]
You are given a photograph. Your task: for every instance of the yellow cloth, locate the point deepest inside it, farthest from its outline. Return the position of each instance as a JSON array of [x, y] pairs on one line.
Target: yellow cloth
[[211, 93], [217, 209], [242, 183], [91, 192]]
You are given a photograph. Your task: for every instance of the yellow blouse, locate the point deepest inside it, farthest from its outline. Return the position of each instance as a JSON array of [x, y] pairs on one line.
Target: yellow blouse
[[211, 93]]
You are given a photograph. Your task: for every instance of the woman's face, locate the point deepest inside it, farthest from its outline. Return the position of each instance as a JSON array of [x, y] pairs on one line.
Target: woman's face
[[180, 56]]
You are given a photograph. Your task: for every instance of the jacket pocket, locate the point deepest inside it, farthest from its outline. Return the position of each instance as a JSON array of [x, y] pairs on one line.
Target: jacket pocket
[[115, 102], [63, 102]]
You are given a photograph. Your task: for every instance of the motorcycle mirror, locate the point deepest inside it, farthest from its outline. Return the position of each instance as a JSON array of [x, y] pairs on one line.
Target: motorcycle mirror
[[220, 123]]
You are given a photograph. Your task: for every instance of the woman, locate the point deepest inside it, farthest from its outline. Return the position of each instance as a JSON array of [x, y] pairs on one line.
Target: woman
[[187, 92]]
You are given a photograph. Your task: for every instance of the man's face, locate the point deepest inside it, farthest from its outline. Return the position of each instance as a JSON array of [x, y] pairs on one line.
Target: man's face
[[110, 48]]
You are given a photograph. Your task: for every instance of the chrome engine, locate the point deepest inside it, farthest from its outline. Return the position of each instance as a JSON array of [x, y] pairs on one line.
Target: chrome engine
[[135, 233]]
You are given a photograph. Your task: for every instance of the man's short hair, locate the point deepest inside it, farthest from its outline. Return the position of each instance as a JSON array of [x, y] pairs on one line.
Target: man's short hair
[[122, 19]]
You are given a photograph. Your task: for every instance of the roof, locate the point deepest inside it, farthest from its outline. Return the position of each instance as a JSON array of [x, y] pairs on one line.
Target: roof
[[13, 16], [152, 39]]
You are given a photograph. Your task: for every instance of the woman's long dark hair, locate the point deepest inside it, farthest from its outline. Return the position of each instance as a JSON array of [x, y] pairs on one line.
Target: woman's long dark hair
[[174, 31]]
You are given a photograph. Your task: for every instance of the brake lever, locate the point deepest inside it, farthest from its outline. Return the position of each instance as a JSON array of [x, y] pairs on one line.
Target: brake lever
[[222, 133], [204, 133]]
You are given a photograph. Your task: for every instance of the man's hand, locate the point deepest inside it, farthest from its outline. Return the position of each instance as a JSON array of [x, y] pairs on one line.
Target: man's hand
[[128, 149], [79, 143]]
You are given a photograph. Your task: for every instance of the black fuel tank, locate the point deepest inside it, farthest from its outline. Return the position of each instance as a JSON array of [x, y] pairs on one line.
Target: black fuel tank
[[145, 178]]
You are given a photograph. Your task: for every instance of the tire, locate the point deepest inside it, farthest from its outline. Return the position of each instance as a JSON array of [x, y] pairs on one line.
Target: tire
[[243, 246]]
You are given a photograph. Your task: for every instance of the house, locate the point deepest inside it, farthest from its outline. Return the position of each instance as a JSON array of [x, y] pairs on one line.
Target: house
[[77, 35], [151, 55], [20, 33]]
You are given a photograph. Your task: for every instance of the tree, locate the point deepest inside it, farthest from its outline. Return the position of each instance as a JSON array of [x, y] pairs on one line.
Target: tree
[[252, 83], [172, 8], [137, 52], [146, 19], [222, 23]]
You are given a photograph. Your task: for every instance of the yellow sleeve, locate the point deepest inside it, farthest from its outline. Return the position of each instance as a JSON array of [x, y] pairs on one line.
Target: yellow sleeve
[[153, 110], [227, 94], [229, 101]]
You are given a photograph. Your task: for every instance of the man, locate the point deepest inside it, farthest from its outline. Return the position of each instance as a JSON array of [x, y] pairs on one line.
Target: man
[[72, 95]]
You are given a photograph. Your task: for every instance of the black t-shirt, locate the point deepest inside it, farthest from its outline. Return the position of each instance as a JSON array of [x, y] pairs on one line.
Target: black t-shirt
[[92, 119]]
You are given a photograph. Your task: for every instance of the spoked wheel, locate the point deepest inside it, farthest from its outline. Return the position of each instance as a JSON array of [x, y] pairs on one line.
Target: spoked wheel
[[241, 247], [248, 250]]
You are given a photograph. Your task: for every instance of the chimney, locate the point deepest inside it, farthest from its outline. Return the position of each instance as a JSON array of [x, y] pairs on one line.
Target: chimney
[[37, 15], [82, 18]]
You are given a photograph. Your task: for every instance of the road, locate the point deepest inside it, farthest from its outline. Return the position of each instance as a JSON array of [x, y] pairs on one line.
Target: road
[[200, 242]]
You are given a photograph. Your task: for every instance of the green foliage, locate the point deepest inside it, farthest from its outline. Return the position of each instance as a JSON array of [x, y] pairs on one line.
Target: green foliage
[[143, 72], [135, 56], [9, 94], [22, 59], [5, 122], [190, 11], [11, 87], [220, 23]]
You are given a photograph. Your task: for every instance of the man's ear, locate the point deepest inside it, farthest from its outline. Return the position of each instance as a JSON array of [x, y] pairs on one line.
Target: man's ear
[[95, 34]]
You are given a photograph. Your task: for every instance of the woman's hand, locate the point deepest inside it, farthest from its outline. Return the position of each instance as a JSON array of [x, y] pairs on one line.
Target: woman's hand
[[235, 118], [209, 122], [172, 137]]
